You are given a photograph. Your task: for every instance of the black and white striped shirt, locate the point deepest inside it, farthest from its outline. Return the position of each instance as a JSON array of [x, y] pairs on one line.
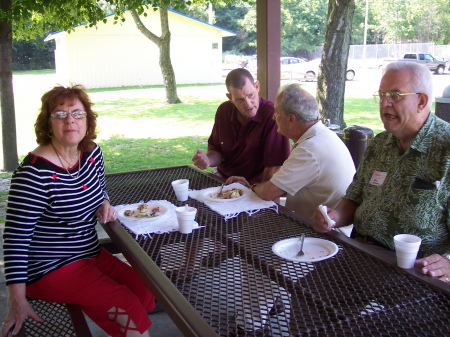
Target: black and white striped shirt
[[50, 219]]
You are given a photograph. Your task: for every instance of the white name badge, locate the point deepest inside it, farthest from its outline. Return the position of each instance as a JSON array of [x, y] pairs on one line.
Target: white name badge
[[378, 178]]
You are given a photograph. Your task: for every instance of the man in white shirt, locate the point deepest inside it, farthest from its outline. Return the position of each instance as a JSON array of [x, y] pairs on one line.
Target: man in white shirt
[[318, 171], [319, 168]]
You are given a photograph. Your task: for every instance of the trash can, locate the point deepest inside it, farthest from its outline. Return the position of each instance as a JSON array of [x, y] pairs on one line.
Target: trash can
[[336, 129], [442, 106], [357, 138]]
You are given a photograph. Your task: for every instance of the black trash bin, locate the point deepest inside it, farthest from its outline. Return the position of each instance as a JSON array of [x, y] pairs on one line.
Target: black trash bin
[[357, 138], [336, 129]]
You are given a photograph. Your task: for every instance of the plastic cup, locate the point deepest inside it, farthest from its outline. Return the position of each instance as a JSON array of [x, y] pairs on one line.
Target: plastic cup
[[181, 187], [406, 248], [186, 217]]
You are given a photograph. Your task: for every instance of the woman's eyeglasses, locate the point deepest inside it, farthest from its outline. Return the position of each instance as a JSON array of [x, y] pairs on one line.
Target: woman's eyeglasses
[[78, 114]]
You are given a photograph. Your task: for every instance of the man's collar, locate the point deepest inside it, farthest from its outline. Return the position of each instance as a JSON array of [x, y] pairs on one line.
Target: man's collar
[[311, 132]]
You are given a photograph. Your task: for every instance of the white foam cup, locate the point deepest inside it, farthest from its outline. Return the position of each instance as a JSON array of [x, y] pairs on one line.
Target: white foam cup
[[406, 248], [186, 217], [181, 187]]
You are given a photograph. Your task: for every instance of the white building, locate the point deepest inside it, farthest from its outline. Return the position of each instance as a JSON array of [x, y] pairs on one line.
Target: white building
[[116, 55]]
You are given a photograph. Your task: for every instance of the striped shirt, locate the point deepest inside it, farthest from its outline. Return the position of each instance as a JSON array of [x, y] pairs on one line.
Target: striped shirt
[[50, 219]]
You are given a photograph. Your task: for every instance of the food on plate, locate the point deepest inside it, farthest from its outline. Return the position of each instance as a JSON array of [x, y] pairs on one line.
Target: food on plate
[[143, 208], [228, 194], [129, 212], [144, 211]]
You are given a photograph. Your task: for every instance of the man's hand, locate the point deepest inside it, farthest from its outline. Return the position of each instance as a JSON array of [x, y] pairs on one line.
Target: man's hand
[[435, 265], [237, 179], [319, 224], [201, 160]]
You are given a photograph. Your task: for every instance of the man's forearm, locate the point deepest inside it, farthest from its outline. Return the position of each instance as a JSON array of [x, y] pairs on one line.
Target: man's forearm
[[215, 158], [269, 172], [268, 191], [346, 210]]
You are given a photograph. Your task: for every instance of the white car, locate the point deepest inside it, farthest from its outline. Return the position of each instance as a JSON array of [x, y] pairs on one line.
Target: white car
[[293, 68]]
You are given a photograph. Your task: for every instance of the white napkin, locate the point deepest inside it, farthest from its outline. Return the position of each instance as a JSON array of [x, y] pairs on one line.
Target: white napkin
[[249, 203], [324, 210], [165, 224]]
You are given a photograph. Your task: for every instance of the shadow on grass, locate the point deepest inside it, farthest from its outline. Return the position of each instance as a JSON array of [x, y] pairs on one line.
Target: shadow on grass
[[134, 108], [128, 154]]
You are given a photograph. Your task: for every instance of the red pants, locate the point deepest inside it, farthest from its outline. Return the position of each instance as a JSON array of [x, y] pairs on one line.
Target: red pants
[[102, 286]]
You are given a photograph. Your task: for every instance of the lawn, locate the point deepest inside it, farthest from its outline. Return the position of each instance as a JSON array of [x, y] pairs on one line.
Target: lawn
[[138, 131]]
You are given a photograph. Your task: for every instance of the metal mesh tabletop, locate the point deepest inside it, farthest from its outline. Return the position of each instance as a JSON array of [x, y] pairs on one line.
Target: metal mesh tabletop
[[229, 274]]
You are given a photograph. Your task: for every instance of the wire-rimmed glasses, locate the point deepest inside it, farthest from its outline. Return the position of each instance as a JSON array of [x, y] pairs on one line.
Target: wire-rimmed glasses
[[391, 96]]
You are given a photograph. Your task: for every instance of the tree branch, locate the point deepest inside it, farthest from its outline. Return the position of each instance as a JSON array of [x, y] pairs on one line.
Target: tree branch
[[147, 33]]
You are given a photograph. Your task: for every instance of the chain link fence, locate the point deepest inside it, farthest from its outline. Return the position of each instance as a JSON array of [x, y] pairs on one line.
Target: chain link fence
[[375, 54]]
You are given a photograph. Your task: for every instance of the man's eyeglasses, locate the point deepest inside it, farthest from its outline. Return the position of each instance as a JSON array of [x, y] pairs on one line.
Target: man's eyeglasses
[[78, 114], [391, 96]]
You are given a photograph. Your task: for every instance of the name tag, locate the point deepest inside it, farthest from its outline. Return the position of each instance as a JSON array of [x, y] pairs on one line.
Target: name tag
[[378, 178]]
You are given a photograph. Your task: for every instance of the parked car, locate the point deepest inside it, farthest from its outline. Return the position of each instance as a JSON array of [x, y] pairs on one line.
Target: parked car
[[297, 69], [427, 60]]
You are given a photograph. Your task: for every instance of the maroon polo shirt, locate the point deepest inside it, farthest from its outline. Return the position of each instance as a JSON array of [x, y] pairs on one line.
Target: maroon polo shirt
[[247, 149]]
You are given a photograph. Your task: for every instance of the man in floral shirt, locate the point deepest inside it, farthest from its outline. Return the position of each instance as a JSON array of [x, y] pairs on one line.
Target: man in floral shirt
[[403, 182]]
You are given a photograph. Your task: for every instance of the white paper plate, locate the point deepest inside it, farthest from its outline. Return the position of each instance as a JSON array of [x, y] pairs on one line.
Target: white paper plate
[[208, 196], [315, 249], [134, 207]]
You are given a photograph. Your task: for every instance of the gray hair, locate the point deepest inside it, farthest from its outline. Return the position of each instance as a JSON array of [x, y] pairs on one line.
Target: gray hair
[[295, 100], [422, 81]]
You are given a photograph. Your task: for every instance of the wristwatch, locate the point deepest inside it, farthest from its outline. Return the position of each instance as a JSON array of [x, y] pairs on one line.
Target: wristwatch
[[446, 255]]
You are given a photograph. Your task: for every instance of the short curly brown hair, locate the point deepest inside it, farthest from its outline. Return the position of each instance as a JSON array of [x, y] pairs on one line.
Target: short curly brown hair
[[51, 99]]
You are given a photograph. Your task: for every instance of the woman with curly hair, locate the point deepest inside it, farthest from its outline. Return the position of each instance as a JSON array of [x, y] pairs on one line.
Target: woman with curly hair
[[51, 247]]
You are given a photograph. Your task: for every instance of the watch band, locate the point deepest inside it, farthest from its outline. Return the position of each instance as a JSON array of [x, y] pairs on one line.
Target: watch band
[[446, 255]]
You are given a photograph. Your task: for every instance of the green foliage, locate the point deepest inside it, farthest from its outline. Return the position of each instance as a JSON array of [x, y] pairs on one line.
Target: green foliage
[[303, 26], [411, 21], [33, 54], [32, 18], [232, 18]]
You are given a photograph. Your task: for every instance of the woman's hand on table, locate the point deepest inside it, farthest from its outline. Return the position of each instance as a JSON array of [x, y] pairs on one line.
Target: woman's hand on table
[[106, 212], [237, 179], [19, 310], [435, 265]]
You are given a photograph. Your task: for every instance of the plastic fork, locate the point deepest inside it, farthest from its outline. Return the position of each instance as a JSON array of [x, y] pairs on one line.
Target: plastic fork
[[220, 191], [300, 252]]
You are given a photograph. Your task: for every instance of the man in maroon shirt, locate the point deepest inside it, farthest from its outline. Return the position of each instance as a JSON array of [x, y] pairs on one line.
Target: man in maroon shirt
[[244, 140]]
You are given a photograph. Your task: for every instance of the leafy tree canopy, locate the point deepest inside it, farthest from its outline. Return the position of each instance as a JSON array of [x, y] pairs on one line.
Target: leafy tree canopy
[[32, 18]]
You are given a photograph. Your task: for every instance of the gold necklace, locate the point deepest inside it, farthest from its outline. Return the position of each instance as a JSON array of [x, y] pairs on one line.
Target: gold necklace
[[59, 157]]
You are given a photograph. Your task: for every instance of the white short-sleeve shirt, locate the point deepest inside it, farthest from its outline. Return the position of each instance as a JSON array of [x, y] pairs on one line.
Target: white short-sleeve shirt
[[318, 171]]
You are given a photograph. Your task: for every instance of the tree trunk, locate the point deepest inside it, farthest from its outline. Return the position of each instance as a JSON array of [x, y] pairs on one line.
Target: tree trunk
[[164, 59], [10, 158], [331, 81], [163, 44]]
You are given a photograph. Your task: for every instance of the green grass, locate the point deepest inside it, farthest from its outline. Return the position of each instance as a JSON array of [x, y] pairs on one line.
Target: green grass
[[138, 131], [128, 154], [35, 72], [362, 111]]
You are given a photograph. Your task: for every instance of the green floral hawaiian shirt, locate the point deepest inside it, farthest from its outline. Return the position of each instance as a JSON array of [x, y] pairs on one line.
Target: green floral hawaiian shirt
[[406, 193]]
